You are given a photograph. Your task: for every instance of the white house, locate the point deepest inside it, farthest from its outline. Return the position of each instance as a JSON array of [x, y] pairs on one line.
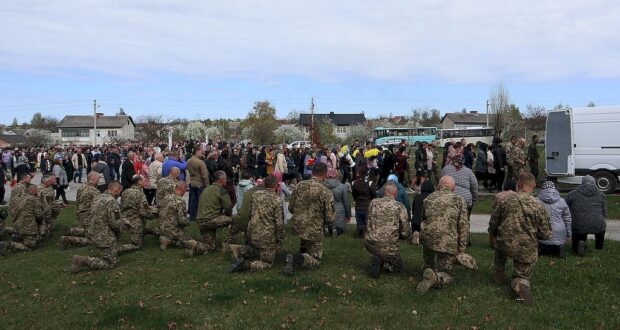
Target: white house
[[342, 122], [80, 129]]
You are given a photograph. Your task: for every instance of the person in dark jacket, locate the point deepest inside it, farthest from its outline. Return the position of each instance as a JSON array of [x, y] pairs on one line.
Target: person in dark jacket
[[418, 206], [420, 160], [480, 169], [250, 161], [469, 156], [363, 192], [588, 208], [388, 164], [261, 161], [128, 171], [499, 162], [446, 147]]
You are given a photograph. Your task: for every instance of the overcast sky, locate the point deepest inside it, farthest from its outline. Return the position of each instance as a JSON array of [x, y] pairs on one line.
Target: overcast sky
[[212, 59]]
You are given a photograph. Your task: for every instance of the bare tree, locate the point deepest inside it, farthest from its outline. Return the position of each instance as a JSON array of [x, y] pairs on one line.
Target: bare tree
[[535, 118], [152, 128], [499, 101], [591, 105]]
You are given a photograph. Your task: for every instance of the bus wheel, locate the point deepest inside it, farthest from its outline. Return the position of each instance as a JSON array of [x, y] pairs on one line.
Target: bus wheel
[[605, 181]]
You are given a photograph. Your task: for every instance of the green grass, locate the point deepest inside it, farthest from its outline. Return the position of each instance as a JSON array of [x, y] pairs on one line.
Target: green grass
[[151, 289]]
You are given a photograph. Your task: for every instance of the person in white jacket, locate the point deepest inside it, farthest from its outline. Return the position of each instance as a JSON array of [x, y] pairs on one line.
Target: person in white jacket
[[79, 162]]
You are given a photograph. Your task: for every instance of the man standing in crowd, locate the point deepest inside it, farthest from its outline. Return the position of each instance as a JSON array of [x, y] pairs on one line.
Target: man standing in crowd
[[510, 150], [312, 206], [174, 159], [214, 210], [516, 225], [387, 221], [103, 170], [198, 178], [105, 231], [135, 211], [265, 230], [128, 171], [444, 234], [532, 157], [79, 162]]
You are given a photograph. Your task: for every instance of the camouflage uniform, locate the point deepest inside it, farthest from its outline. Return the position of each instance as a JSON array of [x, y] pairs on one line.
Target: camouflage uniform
[[135, 210], [77, 235], [165, 187], [214, 211], [265, 231], [104, 231], [515, 159], [444, 232], [47, 196], [172, 220], [518, 222], [532, 159], [29, 212], [16, 194], [312, 206], [387, 219]]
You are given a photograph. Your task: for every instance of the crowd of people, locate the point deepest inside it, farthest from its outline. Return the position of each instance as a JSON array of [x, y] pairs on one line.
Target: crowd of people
[[256, 192]]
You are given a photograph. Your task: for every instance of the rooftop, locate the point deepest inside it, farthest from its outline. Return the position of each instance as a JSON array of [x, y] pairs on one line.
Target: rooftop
[[341, 119], [102, 121]]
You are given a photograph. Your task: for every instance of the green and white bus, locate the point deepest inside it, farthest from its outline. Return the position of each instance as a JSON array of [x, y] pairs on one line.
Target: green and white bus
[[414, 135], [472, 135]]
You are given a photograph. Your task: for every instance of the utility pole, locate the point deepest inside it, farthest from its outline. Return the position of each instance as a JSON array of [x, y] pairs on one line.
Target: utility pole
[[95, 123], [487, 113]]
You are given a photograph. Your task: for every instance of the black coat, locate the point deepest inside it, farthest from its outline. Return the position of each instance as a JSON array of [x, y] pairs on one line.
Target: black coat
[[418, 201], [127, 173]]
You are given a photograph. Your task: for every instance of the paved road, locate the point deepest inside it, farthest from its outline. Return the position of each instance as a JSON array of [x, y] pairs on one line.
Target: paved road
[[479, 222]]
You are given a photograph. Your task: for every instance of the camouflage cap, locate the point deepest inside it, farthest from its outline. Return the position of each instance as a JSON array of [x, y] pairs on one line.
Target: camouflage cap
[[466, 260]]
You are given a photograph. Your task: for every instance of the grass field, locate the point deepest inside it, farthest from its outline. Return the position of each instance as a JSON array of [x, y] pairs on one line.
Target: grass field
[[151, 289]]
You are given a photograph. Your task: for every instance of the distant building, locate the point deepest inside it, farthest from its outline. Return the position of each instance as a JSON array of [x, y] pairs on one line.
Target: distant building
[[472, 119], [12, 140], [341, 121], [80, 129]]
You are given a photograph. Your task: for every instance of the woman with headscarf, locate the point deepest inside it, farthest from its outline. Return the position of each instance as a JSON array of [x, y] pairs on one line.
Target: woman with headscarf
[[560, 218], [342, 203], [418, 205], [588, 207]]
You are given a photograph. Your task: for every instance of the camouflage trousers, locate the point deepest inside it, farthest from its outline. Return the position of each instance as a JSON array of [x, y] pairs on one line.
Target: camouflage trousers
[[107, 260], [258, 257], [514, 172], [208, 230], [312, 252], [389, 253], [521, 270], [26, 243], [441, 263], [234, 232], [176, 236], [136, 238], [74, 240]]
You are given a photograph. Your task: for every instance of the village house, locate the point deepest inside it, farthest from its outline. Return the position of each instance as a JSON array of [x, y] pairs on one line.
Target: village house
[[342, 122], [80, 129]]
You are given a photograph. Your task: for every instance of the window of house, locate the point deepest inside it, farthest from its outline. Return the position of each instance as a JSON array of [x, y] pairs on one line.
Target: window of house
[[112, 133], [75, 132], [341, 130]]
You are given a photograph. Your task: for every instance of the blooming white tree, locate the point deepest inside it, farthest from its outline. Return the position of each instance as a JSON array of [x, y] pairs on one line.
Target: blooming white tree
[[288, 133], [214, 133], [195, 130]]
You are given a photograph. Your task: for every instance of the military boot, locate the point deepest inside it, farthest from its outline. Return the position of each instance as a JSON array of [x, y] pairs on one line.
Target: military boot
[[429, 278], [498, 277], [4, 248], [232, 251], [65, 242], [375, 269], [236, 266], [191, 250], [415, 238], [524, 294], [291, 261], [76, 263], [164, 242]]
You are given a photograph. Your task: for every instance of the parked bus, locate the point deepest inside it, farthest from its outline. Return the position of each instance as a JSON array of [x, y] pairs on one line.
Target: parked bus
[[386, 136], [472, 135], [582, 141]]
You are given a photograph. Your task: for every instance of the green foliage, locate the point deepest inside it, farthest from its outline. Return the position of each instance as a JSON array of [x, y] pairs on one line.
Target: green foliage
[[151, 289], [327, 132], [358, 132], [261, 123], [14, 123]]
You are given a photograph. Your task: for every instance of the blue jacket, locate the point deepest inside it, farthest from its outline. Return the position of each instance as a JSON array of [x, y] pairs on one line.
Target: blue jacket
[[401, 197], [170, 163]]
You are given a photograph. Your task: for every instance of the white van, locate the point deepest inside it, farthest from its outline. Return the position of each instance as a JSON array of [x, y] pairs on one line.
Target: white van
[[584, 141]]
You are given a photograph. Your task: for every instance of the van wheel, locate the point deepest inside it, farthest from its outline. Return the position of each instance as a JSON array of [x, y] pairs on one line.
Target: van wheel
[[605, 181]]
